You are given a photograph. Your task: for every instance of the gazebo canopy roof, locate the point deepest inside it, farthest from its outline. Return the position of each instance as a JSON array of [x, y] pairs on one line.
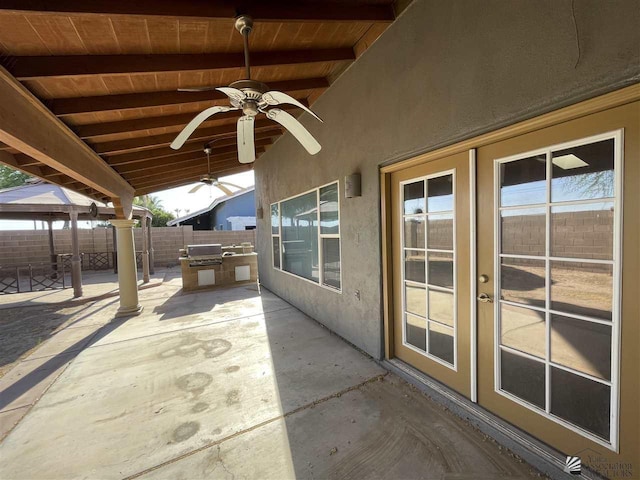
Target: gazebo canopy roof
[[45, 201]]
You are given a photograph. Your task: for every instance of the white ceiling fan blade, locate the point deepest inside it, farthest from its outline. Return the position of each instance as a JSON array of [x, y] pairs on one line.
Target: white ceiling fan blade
[[233, 93], [196, 188], [276, 98], [231, 185], [195, 123], [246, 146], [297, 130], [224, 189]]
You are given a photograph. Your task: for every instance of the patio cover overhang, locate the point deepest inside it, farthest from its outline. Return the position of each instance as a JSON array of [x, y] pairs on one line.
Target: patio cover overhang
[[90, 96]]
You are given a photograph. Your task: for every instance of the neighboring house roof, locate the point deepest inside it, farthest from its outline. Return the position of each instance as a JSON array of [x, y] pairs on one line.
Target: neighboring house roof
[[41, 199], [214, 204]]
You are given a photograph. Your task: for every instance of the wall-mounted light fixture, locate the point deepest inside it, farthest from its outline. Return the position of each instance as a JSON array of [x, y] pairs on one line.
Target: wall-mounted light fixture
[[352, 185], [259, 213]]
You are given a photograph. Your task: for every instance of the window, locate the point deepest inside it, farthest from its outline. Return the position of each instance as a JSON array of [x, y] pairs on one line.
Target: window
[[557, 318], [305, 236], [428, 241]]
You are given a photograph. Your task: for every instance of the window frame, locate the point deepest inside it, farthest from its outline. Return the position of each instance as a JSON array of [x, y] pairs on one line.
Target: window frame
[[616, 261], [320, 237]]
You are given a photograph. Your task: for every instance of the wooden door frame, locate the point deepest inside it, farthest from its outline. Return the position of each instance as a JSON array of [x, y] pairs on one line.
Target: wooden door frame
[[604, 102]]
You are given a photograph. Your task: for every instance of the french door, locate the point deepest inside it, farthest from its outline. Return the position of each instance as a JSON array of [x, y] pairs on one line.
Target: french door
[[431, 262], [507, 282]]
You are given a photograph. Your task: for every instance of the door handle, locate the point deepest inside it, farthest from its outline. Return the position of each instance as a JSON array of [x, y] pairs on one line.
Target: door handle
[[484, 298]]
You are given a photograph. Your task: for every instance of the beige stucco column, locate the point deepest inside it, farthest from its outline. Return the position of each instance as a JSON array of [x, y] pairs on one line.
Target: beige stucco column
[[145, 250], [76, 262], [127, 271]]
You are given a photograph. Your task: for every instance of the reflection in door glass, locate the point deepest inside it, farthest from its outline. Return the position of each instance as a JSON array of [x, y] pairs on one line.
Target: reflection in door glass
[[581, 401], [441, 342], [582, 289], [584, 172], [414, 232], [523, 231], [582, 231], [440, 191], [523, 181], [522, 280], [414, 198], [416, 331], [565, 279], [429, 307]]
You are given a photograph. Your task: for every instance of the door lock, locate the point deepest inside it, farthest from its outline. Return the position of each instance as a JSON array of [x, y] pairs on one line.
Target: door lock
[[484, 298]]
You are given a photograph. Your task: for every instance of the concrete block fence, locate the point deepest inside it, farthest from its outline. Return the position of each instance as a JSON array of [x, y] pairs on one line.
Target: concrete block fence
[[32, 246]]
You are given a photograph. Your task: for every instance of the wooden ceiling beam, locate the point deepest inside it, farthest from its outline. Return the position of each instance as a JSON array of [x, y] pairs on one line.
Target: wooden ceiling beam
[[118, 147], [29, 127], [162, 152], [37, 67], [95, 130], [260, 10], [143, 189], [180, 155], [105, 103], [180, 158], [55, 177], [198, 166]]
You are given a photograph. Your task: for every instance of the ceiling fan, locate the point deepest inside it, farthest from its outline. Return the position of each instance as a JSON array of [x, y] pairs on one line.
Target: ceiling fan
[[212, 181], [252, 98]]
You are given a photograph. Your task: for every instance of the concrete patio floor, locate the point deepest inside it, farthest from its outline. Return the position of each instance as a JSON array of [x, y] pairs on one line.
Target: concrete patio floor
[[225, 384]]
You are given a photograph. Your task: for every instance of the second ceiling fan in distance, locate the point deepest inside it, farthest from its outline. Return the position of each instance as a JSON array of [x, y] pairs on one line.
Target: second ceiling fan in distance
[[253, 98]]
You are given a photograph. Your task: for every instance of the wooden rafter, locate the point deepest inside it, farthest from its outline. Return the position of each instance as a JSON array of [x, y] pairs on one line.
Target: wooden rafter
[[35, 67], [92, 131], [105, 103], [126, 163], [142, 189], [27, 126], [163, 152], [264, 10], [179, 159], [50, 175], [198, 167], [154, 141]]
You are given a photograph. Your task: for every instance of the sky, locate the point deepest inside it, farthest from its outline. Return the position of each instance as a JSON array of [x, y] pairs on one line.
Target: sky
[[175, 198]]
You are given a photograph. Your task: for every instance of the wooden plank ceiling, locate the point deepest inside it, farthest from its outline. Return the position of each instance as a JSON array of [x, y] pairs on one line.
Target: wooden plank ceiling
[[110, 71]]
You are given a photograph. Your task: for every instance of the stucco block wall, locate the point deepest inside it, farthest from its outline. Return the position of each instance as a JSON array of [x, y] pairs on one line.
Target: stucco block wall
[[32, 246], [443, 72]]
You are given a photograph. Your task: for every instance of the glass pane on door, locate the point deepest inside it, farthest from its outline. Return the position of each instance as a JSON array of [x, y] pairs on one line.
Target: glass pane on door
[[557, 284], [428, 239]]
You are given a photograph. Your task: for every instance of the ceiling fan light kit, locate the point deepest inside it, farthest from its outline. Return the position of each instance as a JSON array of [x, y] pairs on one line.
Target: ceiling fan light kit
[[253, 98]]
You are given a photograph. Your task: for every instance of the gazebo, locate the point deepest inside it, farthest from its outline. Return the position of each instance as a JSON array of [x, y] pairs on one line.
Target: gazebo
[[47, 202]]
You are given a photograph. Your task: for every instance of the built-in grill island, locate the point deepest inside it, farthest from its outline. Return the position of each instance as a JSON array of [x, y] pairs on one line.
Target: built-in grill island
[[212, 265]]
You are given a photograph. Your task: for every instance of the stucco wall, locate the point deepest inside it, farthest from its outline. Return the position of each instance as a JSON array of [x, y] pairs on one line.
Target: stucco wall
[[442, 72]]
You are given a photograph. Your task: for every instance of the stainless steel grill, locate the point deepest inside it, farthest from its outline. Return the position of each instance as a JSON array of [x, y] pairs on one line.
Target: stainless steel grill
[[199, 255]]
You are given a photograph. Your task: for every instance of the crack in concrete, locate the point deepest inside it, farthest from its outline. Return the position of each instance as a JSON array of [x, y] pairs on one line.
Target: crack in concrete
[[217, 443]]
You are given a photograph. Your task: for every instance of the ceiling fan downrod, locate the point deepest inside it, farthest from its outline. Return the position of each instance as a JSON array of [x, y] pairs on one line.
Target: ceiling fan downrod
[[244, 24]]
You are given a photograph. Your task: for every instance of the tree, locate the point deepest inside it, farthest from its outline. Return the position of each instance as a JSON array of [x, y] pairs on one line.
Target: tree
[[154, 204], [12, 178]]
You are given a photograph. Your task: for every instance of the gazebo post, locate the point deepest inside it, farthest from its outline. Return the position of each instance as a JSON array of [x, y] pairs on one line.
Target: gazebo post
[[52, 250], [152, 261], [145, 249], [76, 263], [115, 250]]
